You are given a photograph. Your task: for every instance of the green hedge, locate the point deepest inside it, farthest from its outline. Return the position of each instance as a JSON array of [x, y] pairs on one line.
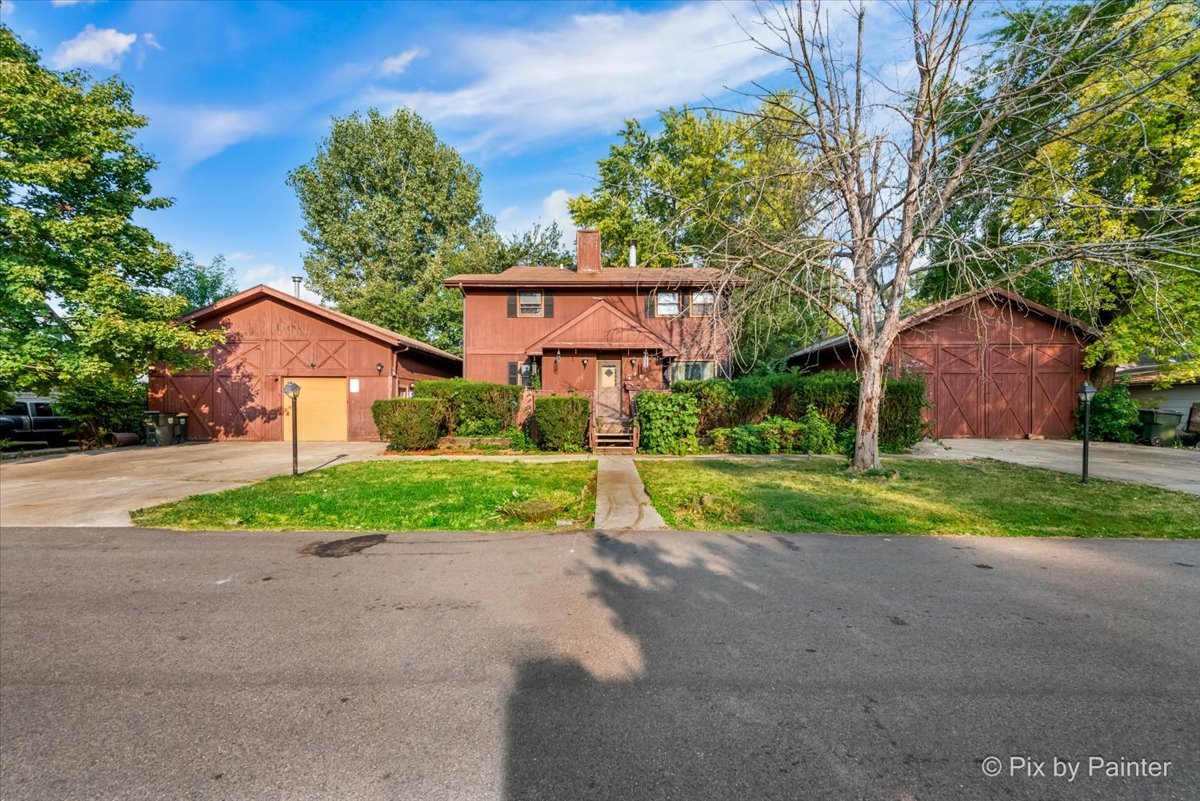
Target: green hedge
[[811, 434], [474, 408], [668, 422], [723, 404], [560, 422], [833, 394], [409, 424]]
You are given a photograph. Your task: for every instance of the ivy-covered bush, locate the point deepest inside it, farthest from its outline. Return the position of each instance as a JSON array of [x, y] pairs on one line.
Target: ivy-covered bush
[[473, 408], [811, 434], [1114, 415], [668, 422], [560, 422], [725, 403], [409, 424], [98, 406]]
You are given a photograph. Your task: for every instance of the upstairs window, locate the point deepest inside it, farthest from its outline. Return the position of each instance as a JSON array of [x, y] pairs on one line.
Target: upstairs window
[[529, 304], [703, 304], [666, 304]]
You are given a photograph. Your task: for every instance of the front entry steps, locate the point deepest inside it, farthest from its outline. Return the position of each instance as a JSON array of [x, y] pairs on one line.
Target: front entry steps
[[614, 436]]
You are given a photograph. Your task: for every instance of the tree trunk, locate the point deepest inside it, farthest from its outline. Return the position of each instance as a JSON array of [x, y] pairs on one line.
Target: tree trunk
[[870, 398]]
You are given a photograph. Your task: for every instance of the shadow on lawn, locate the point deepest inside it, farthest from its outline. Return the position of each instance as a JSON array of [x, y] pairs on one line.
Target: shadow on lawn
[[794, 667]]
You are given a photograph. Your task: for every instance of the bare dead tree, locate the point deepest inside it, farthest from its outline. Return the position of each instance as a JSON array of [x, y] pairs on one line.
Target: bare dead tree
[[887, 163]]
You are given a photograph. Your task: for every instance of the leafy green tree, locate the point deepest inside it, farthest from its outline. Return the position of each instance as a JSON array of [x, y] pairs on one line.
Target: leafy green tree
[[389, 211], [1126, 169], [80, 282], [680, 191], [201, 284], [539, 245]]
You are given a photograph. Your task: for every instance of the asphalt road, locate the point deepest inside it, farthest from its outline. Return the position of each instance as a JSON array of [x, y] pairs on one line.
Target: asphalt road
[[157, 665]]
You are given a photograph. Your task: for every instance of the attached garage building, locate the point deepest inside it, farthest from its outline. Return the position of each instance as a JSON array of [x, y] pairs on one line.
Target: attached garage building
[[342, 365], [996, 365]]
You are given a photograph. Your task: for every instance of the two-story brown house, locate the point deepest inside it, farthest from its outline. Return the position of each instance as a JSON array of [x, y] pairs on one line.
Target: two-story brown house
[[611, 330]]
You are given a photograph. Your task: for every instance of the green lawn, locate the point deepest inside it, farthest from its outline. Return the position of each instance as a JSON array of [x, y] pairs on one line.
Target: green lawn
[[979, 497], [396, 496]]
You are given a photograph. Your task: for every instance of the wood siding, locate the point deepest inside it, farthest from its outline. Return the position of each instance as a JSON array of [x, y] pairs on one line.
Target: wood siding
[[991, 370], [493, 340], [267, 341]]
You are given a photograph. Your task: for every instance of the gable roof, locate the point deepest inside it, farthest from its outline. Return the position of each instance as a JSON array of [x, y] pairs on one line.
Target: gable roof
[[652, 277], [263, 292], [601, 326], [953, 304]]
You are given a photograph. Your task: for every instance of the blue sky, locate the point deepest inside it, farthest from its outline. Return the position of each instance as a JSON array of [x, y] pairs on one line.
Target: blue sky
[[239, 94]]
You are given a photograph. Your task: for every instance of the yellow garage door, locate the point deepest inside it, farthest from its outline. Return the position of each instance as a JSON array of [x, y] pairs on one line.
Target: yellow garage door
[[320, 410]]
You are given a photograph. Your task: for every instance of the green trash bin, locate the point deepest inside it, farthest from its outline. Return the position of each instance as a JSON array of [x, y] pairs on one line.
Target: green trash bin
[[1159, 426]]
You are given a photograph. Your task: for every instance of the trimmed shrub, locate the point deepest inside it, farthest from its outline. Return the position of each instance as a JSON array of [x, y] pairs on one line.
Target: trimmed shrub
[[668, 422], [560, 422], [409, 424], [725, 404], [473, 408], [1114, 415], [793, 396], [811, 434]]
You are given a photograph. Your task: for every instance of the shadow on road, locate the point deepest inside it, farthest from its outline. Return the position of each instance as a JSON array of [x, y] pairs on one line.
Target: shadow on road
[[761, 679]]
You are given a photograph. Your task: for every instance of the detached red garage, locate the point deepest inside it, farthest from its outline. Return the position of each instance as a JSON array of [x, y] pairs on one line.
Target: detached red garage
[[341, 363], [997, 365]]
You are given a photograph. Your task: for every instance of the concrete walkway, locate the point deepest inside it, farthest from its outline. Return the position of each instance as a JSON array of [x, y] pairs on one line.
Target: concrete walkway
[[1170, 468], [621, 500]]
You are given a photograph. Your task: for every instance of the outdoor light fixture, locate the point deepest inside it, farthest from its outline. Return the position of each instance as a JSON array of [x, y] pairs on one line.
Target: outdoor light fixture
[[645, 359], [557, 360], [379, 367], [1085, 400], [585, 361], [292, 390]]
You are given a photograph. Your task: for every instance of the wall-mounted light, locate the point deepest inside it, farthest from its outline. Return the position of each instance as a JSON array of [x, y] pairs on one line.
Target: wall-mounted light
[[379, 367], [585, 361], [645, 359], [557, 360]]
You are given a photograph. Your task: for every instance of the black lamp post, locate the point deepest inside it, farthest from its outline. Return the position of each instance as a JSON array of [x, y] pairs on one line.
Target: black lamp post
[[1085, 399], [292, 390]]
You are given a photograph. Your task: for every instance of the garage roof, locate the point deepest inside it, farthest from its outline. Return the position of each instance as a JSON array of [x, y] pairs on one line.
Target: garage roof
[[946, 306], [375, 332]]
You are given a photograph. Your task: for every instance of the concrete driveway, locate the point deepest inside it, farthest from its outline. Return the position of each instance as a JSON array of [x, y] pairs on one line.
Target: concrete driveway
[[1170, 468], [142, 664], [100, 488]]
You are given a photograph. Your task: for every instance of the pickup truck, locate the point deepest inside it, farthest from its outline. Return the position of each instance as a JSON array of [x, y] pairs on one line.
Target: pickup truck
[[33, 420]]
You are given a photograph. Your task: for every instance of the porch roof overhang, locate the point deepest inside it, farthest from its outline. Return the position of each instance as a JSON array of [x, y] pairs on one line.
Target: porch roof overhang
[[601, 327]]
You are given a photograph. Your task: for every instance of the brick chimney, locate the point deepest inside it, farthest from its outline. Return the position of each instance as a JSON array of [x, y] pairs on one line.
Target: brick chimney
[[587, 251]]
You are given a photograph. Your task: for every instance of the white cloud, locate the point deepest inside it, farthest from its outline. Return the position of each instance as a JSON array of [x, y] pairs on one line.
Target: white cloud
[[587, 74], [99, 47], [554, 210], [201, 131], [276, 277], [394, 65], [150, 40], [240, 255]]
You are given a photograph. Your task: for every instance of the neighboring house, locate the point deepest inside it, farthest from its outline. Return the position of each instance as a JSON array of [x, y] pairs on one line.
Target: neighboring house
[[1178, 398], [996, 365], [341, 363], [612, 330]]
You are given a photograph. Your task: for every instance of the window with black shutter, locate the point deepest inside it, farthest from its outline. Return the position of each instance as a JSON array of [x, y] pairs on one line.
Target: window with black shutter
[[512, 372]]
